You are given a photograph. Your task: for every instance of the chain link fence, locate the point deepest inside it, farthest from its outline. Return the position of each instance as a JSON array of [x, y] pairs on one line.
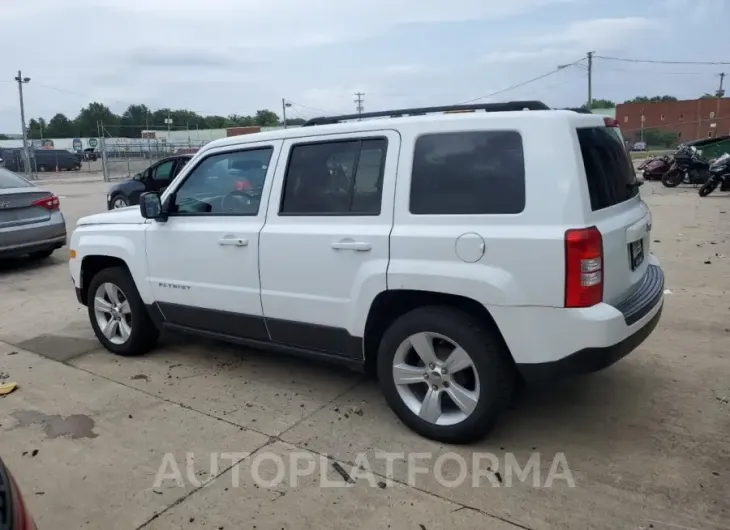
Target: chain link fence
[[125, 157]]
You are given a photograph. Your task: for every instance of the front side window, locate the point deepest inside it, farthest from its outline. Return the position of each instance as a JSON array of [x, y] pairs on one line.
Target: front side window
[[224, 184], [163, 171], [468, 173], [335, 178]]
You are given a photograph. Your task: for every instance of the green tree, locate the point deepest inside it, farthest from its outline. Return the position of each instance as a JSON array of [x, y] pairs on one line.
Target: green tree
[[653, 99], [60, 127], [659, 138], [295, 121], [266, 118], [216, 122], [596, 104], [4, 137], [86, 121], [134, 120]]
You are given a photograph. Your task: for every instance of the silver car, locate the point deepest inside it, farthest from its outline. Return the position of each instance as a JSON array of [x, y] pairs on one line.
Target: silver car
[[31, 221]]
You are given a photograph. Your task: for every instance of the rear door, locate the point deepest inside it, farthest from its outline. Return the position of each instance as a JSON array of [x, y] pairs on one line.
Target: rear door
[[616, 208]]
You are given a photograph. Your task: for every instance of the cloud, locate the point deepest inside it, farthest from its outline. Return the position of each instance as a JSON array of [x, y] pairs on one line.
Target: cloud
[[602, 33], [517, 56]]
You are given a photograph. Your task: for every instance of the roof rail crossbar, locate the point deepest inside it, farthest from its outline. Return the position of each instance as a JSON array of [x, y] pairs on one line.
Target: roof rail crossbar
[[397, 113]]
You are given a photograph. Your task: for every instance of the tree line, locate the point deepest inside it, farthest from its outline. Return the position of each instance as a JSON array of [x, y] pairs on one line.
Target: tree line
[[137, 118]]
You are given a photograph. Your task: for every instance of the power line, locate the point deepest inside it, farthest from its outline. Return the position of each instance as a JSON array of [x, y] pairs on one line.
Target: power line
[[650, 61], [651, 72], [523, 83], [312, 108]]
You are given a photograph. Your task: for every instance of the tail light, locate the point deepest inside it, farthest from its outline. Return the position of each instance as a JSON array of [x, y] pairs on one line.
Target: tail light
[[583, 267], [610, 122], [49, 203], [13, 513]]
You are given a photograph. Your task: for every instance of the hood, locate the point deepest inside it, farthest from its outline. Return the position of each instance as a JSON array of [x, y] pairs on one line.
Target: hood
[[121, 216]]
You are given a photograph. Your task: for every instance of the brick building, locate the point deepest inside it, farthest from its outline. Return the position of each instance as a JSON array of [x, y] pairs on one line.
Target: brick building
[[689, 119]]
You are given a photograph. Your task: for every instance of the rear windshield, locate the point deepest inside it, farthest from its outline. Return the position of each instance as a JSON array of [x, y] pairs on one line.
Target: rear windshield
[[609, 171], [8, 179]]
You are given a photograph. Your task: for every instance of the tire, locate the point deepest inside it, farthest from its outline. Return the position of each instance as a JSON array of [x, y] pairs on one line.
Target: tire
[[42, 254], [119, 201], [142, 333], [491, 373], [708, 187], [671, 179]]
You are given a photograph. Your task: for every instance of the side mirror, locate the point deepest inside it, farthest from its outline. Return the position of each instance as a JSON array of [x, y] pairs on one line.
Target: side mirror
[[150, 206]]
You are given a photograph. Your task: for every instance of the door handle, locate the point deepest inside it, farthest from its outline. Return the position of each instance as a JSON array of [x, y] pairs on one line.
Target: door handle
[[349, 244], [233, 241]]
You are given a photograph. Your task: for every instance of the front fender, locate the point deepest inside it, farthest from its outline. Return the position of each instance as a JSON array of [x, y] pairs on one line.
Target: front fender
[[124, 242]]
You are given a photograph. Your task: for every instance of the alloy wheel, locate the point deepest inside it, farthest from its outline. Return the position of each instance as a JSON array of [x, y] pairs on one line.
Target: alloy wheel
[[436, 378], [113, 313]]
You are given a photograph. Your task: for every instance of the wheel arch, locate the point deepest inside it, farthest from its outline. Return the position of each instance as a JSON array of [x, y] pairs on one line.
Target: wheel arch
[[92, 265], [391, 304]]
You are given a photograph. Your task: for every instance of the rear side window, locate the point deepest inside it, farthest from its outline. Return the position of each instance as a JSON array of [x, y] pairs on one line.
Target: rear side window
[[609, 172], [342, 177], [468, 173], [9, 179]]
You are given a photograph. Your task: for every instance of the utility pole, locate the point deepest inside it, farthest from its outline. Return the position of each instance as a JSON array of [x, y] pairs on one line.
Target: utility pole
[[359, 100], [720, 94], [284, 105], [26, 155], [590, 80]]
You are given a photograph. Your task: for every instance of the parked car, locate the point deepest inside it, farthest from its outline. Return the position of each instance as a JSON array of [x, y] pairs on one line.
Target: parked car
[[14, 514], [56, 160], [155, 178], [31, 221], [12, 159], [453, 255], [639, 146], [88, 154]]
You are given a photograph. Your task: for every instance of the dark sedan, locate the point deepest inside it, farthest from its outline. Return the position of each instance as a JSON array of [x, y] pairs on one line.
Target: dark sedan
[[155, 178]]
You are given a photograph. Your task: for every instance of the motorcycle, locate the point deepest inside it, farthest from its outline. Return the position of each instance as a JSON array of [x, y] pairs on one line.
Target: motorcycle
[[655, 167], [688, 167], [719, 174]]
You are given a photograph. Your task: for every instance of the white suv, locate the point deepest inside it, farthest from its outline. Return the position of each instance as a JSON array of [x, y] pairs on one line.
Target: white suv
[[452, 254]]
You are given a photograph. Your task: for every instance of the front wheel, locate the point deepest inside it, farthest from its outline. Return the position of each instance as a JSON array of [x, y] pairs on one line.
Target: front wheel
[[445, 374], [119, 201], [672, 179], [708, 187], [118, 315]]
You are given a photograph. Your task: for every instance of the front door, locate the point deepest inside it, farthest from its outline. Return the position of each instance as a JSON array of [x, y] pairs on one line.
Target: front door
[[324, 248], [203, 261]]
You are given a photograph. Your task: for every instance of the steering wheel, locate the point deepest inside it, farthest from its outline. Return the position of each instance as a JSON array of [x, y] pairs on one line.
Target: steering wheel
[[241, 201]]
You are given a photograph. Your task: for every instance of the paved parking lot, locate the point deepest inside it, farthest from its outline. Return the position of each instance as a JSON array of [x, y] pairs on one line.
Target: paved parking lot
[[646, 442]]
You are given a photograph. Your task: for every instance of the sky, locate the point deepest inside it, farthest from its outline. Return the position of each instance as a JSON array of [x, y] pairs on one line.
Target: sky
[[236, 56]]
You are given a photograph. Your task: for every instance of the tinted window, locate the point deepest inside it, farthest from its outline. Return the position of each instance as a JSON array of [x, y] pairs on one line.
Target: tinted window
[[609, 171], [163, 171], [225, 184], [468, 173], [335, 178], [11, 180]]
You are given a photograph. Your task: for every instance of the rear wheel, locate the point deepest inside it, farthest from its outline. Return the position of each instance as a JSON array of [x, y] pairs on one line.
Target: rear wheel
[[444, 374], [671, 179], [708, 187], [118, 315]]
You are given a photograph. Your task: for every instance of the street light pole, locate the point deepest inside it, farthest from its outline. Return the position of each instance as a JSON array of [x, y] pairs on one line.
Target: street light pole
[[26, 155]]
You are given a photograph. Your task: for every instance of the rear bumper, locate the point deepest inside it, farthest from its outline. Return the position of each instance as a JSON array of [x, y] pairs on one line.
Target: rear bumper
[[587, 340], [33, 246]]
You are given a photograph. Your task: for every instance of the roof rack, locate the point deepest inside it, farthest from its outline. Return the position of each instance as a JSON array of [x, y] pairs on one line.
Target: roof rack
[[487, 107]]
